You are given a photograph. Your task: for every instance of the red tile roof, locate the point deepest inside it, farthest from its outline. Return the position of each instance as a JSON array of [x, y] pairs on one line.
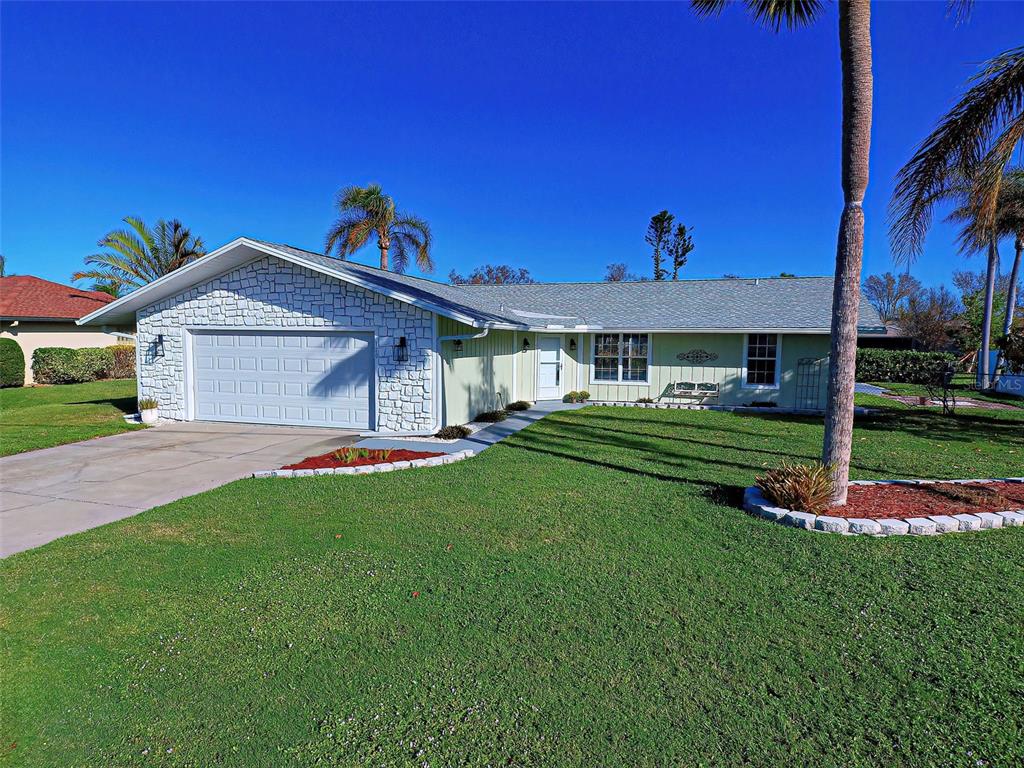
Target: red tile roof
[[24, 296]]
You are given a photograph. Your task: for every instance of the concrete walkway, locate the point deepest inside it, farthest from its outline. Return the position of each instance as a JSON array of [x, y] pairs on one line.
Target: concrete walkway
[[54, 492], [480, 440]]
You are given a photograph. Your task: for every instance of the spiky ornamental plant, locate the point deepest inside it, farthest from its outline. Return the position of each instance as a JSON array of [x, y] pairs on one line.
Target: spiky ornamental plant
[[366, 212], [974, 141], [139, 255]]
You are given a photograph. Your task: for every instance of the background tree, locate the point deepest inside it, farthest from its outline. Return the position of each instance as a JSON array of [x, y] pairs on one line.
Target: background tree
[[366, 212], [932, 318], [3, 266], [855, 58], [619, 273], [888, 293], [659, 233], [972, 143], [973, 288], [139, 255], [679, 249], [492, 274]]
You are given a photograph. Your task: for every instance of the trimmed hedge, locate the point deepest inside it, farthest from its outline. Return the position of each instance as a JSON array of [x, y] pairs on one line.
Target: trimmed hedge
[[12, 364], [902, 366]]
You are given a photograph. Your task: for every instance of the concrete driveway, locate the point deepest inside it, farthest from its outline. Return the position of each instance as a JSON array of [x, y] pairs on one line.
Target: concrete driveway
[[53, 492]]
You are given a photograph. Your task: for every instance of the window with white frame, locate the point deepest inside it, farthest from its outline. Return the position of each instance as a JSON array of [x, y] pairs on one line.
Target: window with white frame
[[762, 360], [621, 357]]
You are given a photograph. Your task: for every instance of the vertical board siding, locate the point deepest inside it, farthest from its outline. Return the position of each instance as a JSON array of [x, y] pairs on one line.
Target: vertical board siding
[[479, 378], [726, 371], [526, 367]]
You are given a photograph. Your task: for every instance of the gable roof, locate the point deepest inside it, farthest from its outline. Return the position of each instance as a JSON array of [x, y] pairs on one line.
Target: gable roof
[[24, 297], [728, 304]]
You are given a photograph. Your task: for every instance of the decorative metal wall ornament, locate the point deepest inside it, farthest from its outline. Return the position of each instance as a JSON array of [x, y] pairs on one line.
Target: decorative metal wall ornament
[[697, 356]]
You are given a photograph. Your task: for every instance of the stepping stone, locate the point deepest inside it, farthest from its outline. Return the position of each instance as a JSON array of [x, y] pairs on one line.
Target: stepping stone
[[990, 520], [945, 523], [893, 527], [922, 526], [832, 524], [969, 522], [864, 526]]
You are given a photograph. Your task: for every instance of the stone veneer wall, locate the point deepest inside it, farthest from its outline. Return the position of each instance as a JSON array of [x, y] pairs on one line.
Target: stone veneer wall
[[273, 293]]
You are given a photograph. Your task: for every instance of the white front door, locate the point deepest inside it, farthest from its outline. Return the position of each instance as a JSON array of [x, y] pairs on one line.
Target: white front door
[[549, 368]]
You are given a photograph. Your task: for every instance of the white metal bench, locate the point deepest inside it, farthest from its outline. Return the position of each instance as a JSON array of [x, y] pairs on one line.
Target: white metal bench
[[691, 390]]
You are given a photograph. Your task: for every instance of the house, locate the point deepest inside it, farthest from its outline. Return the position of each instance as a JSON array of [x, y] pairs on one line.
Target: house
[[39, 313], [271, 334]]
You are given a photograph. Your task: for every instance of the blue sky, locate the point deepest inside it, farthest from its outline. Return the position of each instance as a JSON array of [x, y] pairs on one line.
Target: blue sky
[[541, 135]]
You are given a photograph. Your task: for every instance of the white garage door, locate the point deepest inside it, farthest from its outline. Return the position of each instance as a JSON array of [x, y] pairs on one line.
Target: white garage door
[[268, 377]]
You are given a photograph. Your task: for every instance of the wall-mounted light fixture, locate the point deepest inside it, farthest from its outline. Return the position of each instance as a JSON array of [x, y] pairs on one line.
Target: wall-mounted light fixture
[[457, 345], [526, 344], [572, 345], [158, 346], [401, 350]]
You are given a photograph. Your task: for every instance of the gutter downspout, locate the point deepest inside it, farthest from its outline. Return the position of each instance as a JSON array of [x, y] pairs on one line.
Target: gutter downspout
[[464, 337]]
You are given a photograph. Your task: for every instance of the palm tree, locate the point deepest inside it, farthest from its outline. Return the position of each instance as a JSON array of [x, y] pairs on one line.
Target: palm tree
[[139, 255], [366, 211], [975, 140], [1009, 222], [855, 56]]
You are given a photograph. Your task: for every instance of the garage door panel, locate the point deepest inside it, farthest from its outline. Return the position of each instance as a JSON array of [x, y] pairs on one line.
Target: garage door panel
[[306, 378]]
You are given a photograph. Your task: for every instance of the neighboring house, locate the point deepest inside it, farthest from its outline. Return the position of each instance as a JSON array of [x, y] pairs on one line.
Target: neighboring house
[[38, 313], [265, 333], [893, 338]]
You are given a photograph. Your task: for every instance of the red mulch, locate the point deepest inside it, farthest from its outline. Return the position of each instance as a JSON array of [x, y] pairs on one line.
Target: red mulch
[[376, 457], [875, 502]]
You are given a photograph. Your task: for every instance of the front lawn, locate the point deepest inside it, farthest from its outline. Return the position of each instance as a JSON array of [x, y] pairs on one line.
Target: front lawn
[[585, 593], [41, 417]]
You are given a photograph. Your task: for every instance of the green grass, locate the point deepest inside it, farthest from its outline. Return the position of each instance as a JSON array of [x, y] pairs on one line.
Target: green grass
[[41, 417], [588, 594], [963, 386]]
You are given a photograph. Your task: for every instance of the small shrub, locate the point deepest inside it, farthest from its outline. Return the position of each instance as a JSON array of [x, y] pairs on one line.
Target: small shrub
[[122, 362], [147, 403], [583, 395], [491, 416], [803, 487], [645, 400], [12, 364], [385, 453], [61, 365], [901, 366], [453, 432], [518, 405], [571, 397]]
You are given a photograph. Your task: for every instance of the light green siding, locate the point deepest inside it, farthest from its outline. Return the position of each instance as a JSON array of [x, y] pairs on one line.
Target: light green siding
[[491, 372], [477, 378], [727, 370]]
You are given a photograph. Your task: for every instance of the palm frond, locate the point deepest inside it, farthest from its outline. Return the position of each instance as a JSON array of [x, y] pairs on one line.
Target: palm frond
[[348, 234], [417, 237], [776, 14], [986, 118]]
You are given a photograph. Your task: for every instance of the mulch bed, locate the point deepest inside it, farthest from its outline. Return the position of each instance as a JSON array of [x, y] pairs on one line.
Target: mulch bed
[[375, 457], [876, 502]]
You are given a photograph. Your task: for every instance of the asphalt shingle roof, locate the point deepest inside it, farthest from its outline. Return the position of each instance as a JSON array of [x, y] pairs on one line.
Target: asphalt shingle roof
[[720, 304], [25, 296]]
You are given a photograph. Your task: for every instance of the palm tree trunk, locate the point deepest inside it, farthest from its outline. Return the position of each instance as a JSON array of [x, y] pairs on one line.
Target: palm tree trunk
[[986, 320], [1011, 292], [855, 54], [384, 243]]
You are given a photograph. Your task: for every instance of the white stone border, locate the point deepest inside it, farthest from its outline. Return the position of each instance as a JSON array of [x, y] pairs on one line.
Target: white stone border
[[755, 503], [366, 469]]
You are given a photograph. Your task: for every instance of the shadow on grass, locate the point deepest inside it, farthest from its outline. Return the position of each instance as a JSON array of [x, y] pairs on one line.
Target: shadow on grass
[[123, 404]]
